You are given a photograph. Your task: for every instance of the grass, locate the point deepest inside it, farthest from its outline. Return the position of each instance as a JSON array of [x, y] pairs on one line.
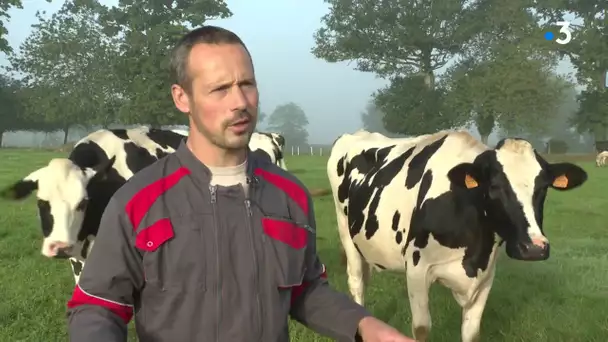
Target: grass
[[562, 299]]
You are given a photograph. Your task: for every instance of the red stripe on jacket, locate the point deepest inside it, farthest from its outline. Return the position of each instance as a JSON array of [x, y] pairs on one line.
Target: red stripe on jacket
[[139, 204], [79, 297], [292, 189]]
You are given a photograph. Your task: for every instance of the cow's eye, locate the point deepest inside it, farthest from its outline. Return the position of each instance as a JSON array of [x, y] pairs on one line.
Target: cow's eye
[[82, 205]]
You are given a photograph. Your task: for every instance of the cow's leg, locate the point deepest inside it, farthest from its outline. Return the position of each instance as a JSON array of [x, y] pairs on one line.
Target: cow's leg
[[77, 267], [418, 284], [357, 270], [473, 311]]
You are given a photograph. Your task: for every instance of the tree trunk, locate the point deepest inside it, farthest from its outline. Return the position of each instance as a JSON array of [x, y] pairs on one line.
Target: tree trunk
[[485, 126], [66, 132]]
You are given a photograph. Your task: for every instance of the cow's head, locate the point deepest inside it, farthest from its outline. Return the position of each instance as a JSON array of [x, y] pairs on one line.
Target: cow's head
[[278, 139], [509, 184], [62, 200]]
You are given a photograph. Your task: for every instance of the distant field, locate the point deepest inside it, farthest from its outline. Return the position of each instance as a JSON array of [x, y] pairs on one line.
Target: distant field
[[562, 299]]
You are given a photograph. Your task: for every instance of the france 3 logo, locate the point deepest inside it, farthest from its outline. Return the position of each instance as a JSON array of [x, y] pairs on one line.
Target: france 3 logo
[[564, 30]]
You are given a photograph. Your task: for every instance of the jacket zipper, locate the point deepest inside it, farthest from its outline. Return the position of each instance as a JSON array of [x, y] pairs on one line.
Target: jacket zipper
[[255, 263], [218, 295]]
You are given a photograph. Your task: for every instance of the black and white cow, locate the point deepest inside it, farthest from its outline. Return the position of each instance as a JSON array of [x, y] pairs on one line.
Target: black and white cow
[[437, 207], [73, 192], [259, 140]]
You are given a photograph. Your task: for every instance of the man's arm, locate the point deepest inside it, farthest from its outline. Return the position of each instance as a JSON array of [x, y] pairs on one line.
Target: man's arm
[[102, 302], [318, 306]]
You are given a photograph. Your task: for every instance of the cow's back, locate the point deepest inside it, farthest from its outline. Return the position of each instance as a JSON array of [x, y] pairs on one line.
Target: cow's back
[[377, 183], [133, 149]]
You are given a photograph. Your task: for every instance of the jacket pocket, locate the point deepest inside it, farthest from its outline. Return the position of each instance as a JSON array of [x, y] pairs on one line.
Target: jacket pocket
[[151, 238], [287, 241], [174, 253]]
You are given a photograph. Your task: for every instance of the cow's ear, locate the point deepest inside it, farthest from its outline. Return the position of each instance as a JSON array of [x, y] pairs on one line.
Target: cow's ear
[[22, 188], [566, 176], [100, 170], [466, 175]]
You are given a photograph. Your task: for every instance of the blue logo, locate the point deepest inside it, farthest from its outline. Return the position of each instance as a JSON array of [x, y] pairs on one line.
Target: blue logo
[[549, 35]]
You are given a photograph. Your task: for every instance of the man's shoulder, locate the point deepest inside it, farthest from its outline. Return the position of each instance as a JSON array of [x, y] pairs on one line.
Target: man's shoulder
[[148, 176], [286, 182]]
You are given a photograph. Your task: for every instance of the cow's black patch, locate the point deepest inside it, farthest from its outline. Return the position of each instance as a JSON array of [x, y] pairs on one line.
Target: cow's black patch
[[166, 139], [462, 223], [85, 248], [340, 167], [418, 163], [99, 189], [120, 133], [396, 218], [76, 266], [160, 153], [416, 257], [399, 238], [138, 157], [46, 217], [372, 163]]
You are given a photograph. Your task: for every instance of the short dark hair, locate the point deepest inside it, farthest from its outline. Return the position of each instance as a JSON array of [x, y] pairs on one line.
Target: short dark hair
[[207, 34]]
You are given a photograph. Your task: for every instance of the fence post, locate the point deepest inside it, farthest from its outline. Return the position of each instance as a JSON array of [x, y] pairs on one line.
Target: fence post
[[321, 151], [292, 150], [311, 152], [298, 150]]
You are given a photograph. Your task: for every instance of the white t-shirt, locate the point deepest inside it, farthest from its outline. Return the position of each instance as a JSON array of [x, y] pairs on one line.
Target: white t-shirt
[[230, 175]]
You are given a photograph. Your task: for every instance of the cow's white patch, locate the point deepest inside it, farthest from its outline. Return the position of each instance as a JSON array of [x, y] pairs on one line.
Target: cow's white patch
[[521, 169]]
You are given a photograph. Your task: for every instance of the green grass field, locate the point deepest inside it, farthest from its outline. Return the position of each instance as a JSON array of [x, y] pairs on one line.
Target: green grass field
[[562, 299]]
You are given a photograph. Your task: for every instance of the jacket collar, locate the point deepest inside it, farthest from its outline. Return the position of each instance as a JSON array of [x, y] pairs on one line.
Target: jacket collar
[[200, 170]]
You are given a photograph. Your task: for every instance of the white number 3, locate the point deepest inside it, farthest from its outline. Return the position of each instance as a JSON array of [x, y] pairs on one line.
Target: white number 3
[[565, 30]]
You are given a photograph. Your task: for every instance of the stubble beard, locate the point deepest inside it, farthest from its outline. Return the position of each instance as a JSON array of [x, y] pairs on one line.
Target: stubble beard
[[222, 139]]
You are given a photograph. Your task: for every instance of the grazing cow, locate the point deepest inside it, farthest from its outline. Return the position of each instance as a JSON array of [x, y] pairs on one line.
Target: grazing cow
[[601, 158], [259, 141], [437, 207], [73, 192]]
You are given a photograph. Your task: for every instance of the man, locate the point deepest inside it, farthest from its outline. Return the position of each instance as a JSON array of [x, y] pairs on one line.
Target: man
[[212, 243]]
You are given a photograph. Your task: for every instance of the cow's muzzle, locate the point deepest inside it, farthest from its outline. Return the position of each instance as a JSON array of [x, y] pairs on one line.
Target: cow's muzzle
[[528, 251]]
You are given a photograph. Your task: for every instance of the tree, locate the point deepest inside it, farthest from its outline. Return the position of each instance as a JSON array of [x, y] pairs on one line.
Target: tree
[[504, 77], [403, 42], [290, 121], [395, 38], [372, 119], [592, 116], [514, 93], [411, 108], [588, 52], [67, 66], [11, 110], [147, 30], [5, 5]]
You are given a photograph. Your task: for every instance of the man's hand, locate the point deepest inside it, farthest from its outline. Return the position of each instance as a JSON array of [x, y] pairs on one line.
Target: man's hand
[[374, 330]]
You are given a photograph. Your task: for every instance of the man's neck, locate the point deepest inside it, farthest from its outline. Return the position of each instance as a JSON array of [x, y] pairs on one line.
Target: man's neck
[[213, 156]]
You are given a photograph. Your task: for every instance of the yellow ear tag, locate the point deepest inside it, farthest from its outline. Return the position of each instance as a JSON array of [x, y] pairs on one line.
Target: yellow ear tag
[[470, 182], [561, 182]]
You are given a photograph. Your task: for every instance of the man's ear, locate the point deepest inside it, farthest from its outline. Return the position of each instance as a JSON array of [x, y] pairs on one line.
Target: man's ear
[[466, 175], [566, 176]]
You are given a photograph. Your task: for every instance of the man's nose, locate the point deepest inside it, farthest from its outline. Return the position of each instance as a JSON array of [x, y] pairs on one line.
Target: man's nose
[[239, 101]]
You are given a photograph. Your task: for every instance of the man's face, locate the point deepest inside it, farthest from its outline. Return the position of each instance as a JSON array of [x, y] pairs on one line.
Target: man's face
[[223, 101]]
